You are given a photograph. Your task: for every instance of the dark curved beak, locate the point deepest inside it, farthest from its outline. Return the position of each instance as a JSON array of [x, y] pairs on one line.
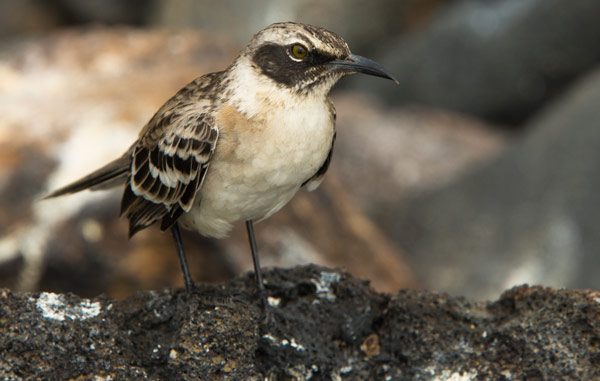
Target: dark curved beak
[[358, 64]]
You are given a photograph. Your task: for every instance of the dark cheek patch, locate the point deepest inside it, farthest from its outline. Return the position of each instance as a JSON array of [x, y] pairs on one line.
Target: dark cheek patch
[[274, 62]]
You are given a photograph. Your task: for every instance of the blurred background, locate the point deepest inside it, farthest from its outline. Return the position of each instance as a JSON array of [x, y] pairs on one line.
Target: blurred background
[[481, 170]]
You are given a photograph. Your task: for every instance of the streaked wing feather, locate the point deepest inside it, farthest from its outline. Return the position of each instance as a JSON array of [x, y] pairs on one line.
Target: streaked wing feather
[[169, 163]]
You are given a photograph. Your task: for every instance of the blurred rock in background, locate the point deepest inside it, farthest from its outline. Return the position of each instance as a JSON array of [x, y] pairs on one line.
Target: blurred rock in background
[[499, 60], [529, 216], [432, 172], [359, 22], [25, 17]]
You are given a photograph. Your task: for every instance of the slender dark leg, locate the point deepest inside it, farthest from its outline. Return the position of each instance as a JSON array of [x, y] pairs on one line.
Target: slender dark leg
[[257, 272], [189, 283]]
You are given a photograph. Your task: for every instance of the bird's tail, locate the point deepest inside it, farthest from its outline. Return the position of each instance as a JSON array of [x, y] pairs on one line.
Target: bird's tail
[[112, 174]]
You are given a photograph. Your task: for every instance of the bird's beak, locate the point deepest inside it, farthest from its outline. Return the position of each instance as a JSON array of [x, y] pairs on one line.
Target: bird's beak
[[358, 64]]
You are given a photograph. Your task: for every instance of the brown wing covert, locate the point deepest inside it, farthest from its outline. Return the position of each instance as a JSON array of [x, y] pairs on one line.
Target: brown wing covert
[[167, 171]]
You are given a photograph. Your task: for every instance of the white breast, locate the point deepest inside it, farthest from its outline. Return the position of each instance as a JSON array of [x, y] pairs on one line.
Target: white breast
[[261, 162]]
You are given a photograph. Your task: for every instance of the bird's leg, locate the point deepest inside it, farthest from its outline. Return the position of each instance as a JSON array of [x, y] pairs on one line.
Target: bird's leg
[[257, 272], [189, 283]]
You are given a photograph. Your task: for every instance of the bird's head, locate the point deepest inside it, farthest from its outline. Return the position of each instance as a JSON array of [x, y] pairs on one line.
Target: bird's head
[[305, 58]]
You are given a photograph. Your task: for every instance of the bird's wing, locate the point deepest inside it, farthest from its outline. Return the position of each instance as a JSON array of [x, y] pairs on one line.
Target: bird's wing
[[169, 161], [315, 180]]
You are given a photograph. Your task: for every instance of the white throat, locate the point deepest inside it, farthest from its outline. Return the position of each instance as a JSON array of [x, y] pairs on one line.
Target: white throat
[[251, 92]]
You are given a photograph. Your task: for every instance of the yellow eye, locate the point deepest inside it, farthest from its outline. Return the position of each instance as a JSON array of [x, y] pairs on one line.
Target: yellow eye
[[299, 51]]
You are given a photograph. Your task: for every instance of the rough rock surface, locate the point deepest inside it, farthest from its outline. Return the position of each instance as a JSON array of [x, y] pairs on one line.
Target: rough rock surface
[[322, 325]]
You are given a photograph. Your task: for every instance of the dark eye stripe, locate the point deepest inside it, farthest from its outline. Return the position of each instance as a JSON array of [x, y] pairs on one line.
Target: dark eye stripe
[[279, 63]]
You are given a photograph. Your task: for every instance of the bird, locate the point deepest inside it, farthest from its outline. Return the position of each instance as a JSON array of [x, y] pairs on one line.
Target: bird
[[236, 145]]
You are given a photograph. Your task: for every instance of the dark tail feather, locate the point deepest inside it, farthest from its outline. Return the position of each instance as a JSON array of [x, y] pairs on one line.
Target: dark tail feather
[[112, 174]]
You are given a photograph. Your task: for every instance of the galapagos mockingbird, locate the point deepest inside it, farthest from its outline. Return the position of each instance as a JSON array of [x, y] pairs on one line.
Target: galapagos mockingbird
[[238, 144]]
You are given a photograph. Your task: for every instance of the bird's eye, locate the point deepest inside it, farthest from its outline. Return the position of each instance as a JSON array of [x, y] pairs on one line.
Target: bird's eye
[[298, 51]]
